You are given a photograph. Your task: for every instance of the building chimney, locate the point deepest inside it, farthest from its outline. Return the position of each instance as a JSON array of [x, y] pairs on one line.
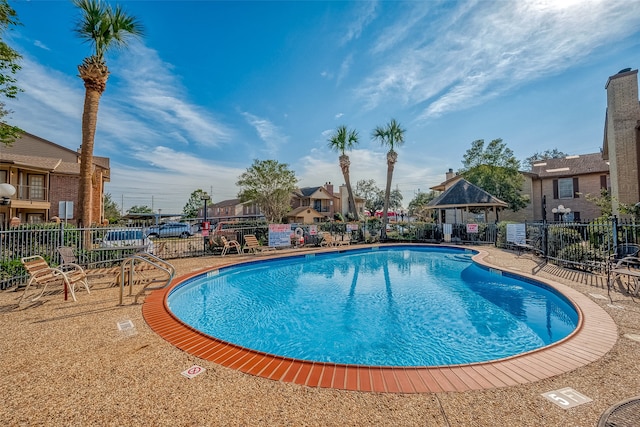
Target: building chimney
[[449, 174], [329, 187]]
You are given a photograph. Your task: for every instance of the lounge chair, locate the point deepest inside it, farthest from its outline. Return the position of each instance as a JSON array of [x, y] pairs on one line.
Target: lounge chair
[[345, 241], [327, 240], [227, 245], [44, 275], [252, 245], [110, 275]]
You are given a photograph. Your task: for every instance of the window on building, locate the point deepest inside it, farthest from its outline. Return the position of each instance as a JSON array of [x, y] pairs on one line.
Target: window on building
[[3, 177], [603, 182], [35, 218], [565, 188], [36, 187]]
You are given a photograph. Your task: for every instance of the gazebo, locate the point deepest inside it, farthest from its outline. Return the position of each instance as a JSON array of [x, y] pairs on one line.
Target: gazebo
[[464, 196]]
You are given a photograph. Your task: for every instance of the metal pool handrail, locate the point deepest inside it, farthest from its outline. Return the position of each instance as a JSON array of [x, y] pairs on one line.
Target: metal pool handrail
[[151, 260]]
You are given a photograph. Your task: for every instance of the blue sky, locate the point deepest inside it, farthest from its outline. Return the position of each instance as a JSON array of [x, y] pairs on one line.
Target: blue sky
[[214, 85]]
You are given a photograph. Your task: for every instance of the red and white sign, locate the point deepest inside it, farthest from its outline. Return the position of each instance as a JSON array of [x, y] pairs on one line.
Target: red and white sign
[[472, 228]]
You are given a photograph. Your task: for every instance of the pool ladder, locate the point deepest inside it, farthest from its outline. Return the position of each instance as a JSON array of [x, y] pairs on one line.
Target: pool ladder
[[148, 263]]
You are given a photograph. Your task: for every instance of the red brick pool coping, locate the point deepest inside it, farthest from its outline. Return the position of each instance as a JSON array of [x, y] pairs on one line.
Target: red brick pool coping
[[594, 337]]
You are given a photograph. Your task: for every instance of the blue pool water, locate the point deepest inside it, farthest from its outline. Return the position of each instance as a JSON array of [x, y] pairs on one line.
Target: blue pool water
[[402, 306]]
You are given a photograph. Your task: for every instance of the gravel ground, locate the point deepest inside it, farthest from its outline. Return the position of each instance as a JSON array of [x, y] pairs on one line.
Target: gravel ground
[[67, 363]]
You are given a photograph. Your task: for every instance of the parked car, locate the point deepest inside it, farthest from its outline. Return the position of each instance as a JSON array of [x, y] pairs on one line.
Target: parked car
[[170, 229], [122, 238]]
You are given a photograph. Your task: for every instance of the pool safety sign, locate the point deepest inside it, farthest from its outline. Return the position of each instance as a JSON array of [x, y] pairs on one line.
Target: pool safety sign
[[279, 235], [193, 371], [566, 397]]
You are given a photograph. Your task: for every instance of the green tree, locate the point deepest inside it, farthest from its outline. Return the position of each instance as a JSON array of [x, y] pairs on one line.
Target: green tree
[[603, 201], [104, 28], [391, 135], [9, 66], [417, 206], [547, 154], [395, 199], [342, 140], [111, 209], [269, 184], [496, 170], [194, 204], [372, 195], [140, 209]]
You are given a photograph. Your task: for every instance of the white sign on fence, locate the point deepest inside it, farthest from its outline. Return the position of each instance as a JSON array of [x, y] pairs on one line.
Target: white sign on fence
[[516, 233], [279, 235]]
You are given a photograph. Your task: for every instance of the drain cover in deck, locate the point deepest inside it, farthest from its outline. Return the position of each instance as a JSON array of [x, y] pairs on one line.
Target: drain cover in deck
[[622, 414]]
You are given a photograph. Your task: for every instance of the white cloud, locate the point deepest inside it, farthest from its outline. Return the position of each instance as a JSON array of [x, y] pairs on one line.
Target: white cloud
[[344, 68], [41, 45], [157, 95], [269, 133], [170, 179], [480, 50], [366, 13]]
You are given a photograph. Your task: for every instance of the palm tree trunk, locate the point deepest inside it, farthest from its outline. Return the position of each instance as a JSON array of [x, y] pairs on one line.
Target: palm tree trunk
[[392, 157], [344, 165], [352, 201], [94, 73], [89, 121]]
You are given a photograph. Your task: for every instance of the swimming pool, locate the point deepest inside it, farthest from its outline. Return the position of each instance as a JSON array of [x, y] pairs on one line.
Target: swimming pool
[[396, 306]]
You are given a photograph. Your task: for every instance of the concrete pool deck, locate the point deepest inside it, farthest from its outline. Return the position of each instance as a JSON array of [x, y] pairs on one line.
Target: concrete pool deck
[[68, 363]]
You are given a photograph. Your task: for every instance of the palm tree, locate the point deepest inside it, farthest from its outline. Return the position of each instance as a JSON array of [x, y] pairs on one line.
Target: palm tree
[[104, 28], [342, 140], [390, 136]]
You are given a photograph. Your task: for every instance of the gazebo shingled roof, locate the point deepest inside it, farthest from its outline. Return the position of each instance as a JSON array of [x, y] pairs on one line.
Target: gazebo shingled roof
[[464, 194]]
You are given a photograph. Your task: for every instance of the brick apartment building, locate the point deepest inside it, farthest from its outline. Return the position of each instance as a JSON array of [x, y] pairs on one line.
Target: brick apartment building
[[45, 174]]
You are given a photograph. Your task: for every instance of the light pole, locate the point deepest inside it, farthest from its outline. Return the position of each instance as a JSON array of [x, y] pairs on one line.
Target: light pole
[[6, 192], [205, 224], [561, 211]]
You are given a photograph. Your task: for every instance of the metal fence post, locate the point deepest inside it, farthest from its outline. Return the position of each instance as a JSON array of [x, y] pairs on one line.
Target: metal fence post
[[545, 237], [614, 231]]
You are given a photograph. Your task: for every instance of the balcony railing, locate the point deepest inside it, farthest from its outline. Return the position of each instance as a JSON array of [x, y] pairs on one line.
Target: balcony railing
[[32, 192]]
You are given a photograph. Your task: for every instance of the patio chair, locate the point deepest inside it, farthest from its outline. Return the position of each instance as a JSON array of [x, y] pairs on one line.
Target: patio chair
[[110, 275], [252, 245], [630, 267], [44, 275], [624, 250], [68, 257], [345, 241], [227, 245], [328, 240]]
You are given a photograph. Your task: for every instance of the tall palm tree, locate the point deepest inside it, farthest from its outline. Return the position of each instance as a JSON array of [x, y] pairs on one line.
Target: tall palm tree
[[104, 28], [342, 140], [392, 135]]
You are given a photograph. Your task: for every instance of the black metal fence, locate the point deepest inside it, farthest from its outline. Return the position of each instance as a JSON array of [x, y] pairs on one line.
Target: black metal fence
[[577, 245]]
